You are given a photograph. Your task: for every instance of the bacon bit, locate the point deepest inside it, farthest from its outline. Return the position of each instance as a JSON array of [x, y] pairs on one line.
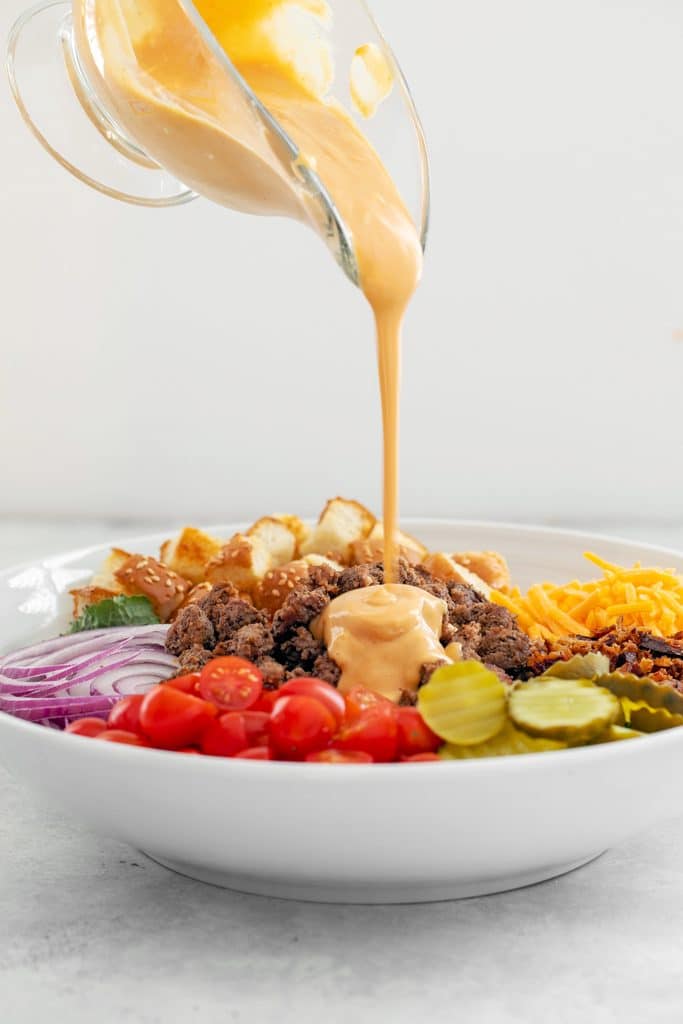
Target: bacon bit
[[629, 650]]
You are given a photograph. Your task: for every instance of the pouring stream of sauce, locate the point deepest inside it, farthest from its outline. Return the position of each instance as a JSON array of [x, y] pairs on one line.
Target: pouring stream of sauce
[[153, 69]]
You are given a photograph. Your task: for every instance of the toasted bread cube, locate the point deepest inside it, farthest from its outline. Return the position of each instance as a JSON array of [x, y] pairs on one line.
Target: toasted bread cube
[[316, 560], [406, 540], [278, 538], [298, 527], [84, 597], [243, 561], [342, 523], [188, 553], [490, 566], [165, 589], [106, 577], [445, 568], [278, 583], [372, 549], [193, 597]]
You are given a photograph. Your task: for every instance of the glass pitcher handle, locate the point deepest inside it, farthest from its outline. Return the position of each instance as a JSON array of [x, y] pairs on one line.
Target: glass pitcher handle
[[51, 91]]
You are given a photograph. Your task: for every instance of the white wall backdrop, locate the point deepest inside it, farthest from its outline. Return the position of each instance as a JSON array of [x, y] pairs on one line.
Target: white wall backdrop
[[200, 364]]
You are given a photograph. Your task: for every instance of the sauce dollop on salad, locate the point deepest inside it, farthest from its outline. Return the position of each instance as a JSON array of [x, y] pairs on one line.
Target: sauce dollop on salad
[[382, 636]]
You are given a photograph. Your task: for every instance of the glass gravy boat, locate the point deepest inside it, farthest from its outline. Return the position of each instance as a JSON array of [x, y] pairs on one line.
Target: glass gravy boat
[[53, 63]]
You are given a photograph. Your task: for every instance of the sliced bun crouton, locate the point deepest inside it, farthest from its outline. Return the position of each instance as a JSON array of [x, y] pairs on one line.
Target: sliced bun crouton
[[445, 568], [194, 596], [489, 565], [372, 548], [342, 523], [243, 561], [272, 591], [188, 553], [278, 538], [406, 540], [298, 527], [83, 597], [315, 560], [165, 589], [106, 577]]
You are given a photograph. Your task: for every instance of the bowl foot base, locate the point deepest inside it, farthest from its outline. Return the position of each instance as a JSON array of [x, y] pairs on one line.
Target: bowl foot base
[[410, 892]]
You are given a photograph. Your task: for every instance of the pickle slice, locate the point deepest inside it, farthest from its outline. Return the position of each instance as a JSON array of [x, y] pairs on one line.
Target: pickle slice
[[573, 710], [643, 690], [509, 741], [463, 703], [581, 666], [616, 733], [652, 720]]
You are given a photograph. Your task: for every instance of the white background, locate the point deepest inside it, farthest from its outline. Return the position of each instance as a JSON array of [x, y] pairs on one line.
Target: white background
[[198, 364]]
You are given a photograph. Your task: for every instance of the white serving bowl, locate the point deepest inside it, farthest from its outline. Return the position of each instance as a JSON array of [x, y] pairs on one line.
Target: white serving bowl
[[354, 833]]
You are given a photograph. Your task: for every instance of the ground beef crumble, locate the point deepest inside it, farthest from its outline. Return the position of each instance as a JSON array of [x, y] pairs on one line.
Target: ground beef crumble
[[283, 645], [192, 628], [325, 668], [253, 641], [301, 648], [193, 659], [300, 608]]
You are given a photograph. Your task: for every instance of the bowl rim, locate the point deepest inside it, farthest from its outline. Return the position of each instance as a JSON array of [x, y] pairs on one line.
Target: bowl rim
[[316, 772], [570, 757], [408, 522]]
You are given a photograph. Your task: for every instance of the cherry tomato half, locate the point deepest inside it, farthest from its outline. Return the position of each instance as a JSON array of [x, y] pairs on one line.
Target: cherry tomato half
[[266, 701], [257, 725], [300, 725], [256, 754], [122, 736], [231, 683], [334, 756], [186, 684], [414, 735], [126, 714], [87, 727], [174, 719], [309, 686], [375, 732], [235, 731], [359, 699]]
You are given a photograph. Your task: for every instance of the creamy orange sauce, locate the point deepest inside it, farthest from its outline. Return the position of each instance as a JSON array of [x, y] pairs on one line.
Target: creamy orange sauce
[[150, 66], [381, 636]]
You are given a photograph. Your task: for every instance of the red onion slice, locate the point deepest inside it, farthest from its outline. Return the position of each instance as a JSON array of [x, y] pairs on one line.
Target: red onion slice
[[83, 674]]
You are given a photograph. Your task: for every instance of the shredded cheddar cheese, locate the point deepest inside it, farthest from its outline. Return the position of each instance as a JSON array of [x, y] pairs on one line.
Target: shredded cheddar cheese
[[643, 598]]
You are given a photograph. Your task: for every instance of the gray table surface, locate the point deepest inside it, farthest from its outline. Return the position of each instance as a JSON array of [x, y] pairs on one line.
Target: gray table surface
[[91, 931]]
